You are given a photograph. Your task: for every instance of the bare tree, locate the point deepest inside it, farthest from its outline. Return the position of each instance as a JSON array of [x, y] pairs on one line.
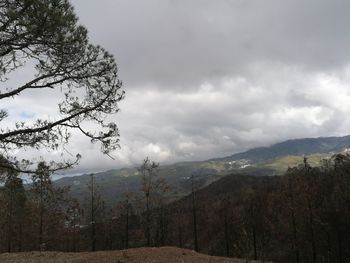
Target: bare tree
[[152, 188], [49, 201]]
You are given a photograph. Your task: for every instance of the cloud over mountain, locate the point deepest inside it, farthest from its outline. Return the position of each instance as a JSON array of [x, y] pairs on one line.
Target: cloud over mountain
[[209, 78]]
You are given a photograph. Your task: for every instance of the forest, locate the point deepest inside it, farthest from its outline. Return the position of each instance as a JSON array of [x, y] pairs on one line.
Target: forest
[[301, 216], [203, 80]]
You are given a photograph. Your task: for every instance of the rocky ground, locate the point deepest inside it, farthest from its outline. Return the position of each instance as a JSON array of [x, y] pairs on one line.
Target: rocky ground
[[144, 255]]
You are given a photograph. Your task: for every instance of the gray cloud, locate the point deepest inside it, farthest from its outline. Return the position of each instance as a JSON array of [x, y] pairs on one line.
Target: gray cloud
[[182, 43], [209, 78]]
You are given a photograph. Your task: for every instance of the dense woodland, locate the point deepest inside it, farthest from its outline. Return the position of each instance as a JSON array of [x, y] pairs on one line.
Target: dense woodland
[[302, 216]]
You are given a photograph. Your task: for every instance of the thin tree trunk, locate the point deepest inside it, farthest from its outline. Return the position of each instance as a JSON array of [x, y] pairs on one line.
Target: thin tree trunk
[[127, 226], [254, 244], [180, 235], [226, 235], [329, 247], [9, 230], [93, 231], [20, 236], [194, 216], [41, 213], [313, 241], [340, 246], [295, 239], [148, 222], [161, 227]]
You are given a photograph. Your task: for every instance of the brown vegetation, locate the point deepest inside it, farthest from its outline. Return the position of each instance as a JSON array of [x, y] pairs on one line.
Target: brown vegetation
[[136, 255]]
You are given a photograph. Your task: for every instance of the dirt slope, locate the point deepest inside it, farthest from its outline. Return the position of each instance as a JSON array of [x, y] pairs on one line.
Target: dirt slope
[[144, 255]]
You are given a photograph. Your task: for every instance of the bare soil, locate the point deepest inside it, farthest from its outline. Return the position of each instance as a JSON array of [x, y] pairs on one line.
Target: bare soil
[[144, 255]]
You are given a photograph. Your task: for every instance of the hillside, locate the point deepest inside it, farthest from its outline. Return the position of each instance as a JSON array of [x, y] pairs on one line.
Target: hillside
[[297, 147], [259, 213], [272, 160], [114, 183], [154, 255]]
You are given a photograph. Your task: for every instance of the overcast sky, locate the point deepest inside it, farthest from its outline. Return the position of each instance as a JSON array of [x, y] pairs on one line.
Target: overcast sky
[[208, 78]]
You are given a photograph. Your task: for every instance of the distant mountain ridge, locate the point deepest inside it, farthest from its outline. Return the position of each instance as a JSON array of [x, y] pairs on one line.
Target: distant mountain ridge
[[269, 160], [295, 147]]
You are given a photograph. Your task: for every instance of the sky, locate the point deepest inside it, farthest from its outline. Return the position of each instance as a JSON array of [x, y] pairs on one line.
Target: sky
[[207, 79]]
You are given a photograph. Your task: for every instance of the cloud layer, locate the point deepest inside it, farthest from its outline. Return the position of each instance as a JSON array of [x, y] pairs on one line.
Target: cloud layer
[[209, 78]]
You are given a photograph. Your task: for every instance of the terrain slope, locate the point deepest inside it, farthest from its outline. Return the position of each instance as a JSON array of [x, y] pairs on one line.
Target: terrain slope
[[144, 255], [271, 160]]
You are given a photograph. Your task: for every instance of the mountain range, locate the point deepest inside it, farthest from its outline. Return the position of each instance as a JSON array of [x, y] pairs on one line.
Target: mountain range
[[271, 160]]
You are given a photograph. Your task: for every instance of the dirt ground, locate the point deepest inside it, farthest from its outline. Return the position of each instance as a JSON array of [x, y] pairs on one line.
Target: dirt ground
[[144, 255]]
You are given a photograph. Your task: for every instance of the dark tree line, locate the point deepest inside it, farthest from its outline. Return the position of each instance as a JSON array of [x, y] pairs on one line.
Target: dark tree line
[[302, 216], [31, 217]]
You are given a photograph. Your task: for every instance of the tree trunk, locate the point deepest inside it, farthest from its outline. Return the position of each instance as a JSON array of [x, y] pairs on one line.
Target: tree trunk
[[127, 226], [93, 230], [254, 243], [41, 215], [227, 243], [312, 232], [295, 239], [194, 216], [148, 222], [9, 230]]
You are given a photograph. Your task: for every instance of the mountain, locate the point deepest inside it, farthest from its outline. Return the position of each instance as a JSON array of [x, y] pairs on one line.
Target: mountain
[[269, 160], [297, 147]]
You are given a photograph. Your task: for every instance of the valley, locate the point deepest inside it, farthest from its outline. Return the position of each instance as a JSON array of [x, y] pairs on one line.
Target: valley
[[272, 160]]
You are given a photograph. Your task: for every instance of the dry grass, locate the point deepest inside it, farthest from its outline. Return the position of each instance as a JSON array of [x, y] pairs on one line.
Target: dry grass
[[146, 255]]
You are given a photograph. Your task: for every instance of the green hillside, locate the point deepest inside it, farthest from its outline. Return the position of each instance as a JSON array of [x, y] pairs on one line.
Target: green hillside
[[280, 165], [273, 160], [297, 147]]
